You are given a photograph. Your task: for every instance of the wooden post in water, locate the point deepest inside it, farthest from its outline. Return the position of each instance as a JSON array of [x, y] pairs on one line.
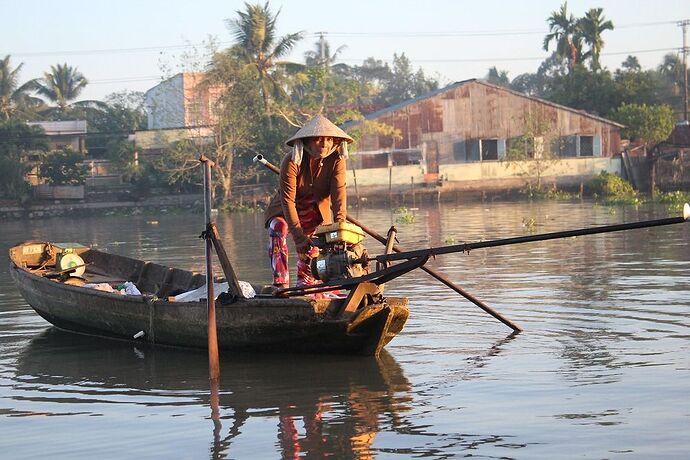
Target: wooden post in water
[[213, 358], [414, 201]]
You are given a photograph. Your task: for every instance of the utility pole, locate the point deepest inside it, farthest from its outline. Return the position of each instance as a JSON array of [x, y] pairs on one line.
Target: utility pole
[[324, 63], [322, 47], [684, 24]]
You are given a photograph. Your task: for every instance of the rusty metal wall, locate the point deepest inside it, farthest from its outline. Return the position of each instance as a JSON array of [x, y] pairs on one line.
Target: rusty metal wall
[[475, 110]]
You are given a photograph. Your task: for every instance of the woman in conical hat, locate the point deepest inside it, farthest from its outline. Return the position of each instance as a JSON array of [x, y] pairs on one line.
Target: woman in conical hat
[[311, 193]]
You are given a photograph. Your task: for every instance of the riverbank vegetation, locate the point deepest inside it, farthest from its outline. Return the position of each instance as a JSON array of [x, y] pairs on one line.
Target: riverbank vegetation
[[264, 98]]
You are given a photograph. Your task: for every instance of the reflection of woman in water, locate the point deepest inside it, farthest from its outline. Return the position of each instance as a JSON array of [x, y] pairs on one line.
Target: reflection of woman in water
[[341, 429], [329, 406], [345, 425]]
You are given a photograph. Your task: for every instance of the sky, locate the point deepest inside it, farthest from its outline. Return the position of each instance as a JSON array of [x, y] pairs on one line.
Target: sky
[[128, 45]]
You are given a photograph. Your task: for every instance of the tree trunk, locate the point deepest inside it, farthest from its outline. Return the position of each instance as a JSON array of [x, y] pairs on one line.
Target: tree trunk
[[225, 173], [267, 113]]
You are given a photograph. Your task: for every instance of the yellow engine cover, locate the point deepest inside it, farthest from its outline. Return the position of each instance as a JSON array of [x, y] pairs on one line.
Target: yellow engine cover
[[340, 232]]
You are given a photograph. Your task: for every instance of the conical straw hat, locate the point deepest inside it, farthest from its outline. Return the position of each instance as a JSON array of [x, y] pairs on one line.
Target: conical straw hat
[[319, 126]]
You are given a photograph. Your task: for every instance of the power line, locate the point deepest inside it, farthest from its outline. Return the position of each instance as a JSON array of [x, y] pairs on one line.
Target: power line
[[478, 33], [135, 79], [421, 34], [146, 49], [526, 58], [125, 80]]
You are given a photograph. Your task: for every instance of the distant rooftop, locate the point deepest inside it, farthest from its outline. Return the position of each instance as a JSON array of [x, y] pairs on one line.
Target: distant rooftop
[[57, 128]]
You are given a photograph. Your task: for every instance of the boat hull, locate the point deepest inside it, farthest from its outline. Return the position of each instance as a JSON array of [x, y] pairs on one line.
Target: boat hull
[[260, 323]]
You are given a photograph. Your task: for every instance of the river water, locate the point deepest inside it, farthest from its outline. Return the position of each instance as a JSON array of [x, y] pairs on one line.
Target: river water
[[602, 369]]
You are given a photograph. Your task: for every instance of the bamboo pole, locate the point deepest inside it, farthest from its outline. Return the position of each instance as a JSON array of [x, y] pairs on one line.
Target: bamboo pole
[[466, 247], [213, 358]]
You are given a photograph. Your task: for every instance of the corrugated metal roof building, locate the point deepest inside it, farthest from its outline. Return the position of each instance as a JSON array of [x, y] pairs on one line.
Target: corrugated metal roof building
[[464, 131]]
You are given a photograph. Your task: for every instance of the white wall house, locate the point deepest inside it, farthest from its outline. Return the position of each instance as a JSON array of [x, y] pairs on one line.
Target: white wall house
[[181, 101]]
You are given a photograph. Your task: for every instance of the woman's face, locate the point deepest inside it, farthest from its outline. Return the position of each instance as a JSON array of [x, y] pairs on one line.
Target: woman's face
[[320, 146]]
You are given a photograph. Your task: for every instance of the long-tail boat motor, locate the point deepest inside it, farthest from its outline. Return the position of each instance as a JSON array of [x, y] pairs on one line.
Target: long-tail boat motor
[[341, 253]]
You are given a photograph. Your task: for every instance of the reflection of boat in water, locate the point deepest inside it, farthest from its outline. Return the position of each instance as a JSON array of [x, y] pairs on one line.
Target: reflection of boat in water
[[324, 405]]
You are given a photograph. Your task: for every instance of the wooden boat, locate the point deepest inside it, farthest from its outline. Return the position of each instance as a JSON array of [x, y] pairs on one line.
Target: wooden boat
[[362, 323]]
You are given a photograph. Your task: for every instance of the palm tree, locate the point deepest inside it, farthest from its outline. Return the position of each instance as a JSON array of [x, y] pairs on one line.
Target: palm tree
[[61, 85], [321, 54], [591, 27], [12, 96], [257, 45], [321, 57], [671, 71], [564, 30]]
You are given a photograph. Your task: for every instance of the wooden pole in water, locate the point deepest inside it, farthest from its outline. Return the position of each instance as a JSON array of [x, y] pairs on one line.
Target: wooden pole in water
[[466, 247], [213, 358], [431, 272], [414, 201]]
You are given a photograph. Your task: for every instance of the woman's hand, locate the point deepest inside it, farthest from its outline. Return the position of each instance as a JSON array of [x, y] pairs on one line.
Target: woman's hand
[[308, 250]]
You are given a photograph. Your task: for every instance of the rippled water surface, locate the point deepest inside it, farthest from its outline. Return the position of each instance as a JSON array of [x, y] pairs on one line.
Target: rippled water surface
[[602, 369]]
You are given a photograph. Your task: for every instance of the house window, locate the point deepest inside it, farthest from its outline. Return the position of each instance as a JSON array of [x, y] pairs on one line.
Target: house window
[[586, 146], [568, 146], [472, 150], [459, 153], [489, 149], [524, 147], [578, 146]]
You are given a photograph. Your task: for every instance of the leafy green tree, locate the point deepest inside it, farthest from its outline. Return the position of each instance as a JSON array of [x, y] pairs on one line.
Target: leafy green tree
[[109, 128], [18, 144], [670, 73], [371, 78], [584, 90], [649, 124], [13, 96], [498, 77], [631, 64], [63, 167], [258, 47], [591, 27], [123, 112], [178, 165], [531, 155], [404, 83], [565, 33], [535, 84], [236, 134], [322, 58], [635, 86]]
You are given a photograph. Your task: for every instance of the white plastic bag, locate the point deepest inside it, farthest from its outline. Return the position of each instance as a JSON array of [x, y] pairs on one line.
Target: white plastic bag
[[131, 288], [218, 288]]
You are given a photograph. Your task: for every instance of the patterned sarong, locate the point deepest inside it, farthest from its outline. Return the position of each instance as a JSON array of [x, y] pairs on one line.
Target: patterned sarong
[[309, 218]]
